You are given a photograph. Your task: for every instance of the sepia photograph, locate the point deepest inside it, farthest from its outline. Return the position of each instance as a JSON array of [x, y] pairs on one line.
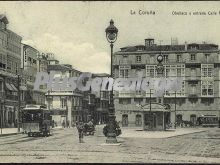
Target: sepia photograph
[[110, 82]]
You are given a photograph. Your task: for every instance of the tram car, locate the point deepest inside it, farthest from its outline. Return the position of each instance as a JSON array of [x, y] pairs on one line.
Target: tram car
[[36, 120], [208, 121]]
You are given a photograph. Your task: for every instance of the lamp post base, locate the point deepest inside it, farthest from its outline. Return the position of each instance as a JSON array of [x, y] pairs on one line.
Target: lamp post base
[[111, 136], [111, 139]]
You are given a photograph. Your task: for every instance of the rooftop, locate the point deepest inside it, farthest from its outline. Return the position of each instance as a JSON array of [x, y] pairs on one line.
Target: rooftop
[[3, 18], [183, 47], [59, 67]]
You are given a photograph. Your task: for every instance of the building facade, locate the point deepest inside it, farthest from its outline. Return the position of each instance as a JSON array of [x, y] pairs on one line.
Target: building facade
[[29, 70], [197, 64], [65, 105], [10, 63], [101, 102]]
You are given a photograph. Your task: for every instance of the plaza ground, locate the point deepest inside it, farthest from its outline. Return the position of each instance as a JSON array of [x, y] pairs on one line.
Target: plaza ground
[[63, 146]]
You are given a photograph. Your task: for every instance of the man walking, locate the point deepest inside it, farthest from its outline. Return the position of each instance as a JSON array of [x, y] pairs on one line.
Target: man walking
[[80, 127]]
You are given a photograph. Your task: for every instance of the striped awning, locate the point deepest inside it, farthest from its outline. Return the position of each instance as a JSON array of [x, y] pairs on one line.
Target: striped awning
[[9, 87], [13, 86]]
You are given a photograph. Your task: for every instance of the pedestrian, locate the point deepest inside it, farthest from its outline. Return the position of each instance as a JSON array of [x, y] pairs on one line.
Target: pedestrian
[[53, 124], [63, 124], [68, 124], [80, 128]]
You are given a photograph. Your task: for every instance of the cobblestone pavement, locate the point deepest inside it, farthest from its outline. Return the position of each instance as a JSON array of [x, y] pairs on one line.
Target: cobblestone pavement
[[63, 146]]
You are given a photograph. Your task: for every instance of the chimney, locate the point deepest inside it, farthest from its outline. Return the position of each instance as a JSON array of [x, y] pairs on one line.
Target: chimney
[[185, 46], [149, 42]]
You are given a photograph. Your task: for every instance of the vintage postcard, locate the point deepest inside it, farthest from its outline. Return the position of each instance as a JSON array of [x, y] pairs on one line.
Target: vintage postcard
[[109, 82]]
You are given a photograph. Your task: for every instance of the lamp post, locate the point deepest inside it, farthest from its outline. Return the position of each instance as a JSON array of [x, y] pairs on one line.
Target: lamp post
[[160, 70], [111, 36], [19, 102]]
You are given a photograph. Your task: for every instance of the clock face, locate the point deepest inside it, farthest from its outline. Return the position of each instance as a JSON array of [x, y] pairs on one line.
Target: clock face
[[160, 58]]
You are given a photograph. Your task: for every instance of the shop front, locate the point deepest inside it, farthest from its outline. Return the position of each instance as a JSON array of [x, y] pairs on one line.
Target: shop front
[[156, 117]]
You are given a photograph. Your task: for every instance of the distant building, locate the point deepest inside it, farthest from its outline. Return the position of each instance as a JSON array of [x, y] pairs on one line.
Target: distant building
[[30, 68], [65, 105], [197, 64], [101, 102], [42, 62], [51, 59]]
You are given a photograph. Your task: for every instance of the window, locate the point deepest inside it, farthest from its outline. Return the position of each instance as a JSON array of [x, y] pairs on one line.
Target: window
[[165, 58], [207, 57], [193, 57], [151, 71], [178, 72], [124, 71], [207, 88], [138, 120], [62, 102], [124, 120], [138, 59], [207, 70], [125, 101], [207, 101], [179, 58], [138, 100]]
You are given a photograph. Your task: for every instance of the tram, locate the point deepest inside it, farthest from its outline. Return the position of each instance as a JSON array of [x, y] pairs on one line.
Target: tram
[[36, 120], [208, 120]]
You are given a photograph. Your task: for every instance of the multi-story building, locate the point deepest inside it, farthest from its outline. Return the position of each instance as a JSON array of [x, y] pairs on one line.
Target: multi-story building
[[101, 102], [65, 105], [10, 63], [51, 60], [197, 64], [42, 62], [30, 68]]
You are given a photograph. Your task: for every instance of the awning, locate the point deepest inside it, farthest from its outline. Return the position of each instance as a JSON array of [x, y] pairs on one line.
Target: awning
[[23, 88], [9, 87], [14, 88]]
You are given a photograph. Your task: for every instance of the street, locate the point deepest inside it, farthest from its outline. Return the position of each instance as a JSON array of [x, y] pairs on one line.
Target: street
[[63, 146]]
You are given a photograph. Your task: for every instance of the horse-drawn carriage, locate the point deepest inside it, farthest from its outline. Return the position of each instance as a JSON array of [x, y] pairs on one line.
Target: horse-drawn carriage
[[89, 129]]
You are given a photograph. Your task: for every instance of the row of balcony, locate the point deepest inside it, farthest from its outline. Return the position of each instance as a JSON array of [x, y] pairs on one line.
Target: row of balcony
[[166, 61], [144, 94]]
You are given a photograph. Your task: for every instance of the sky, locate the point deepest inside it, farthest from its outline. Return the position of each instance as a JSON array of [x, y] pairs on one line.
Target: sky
[[75, 31]]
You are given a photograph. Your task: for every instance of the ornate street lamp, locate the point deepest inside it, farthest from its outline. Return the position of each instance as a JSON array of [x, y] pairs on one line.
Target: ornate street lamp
[[111, 35]]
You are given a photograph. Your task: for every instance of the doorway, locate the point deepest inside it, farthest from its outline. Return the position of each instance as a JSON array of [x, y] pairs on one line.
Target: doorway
[[124, 120]]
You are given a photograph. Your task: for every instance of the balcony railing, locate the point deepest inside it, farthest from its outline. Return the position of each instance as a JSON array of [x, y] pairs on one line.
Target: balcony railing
[[125, 62], [192, 95], [11, 97]]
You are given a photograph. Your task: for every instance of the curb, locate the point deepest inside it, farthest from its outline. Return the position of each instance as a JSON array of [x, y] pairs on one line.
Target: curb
[[9, 134], [188, 133]]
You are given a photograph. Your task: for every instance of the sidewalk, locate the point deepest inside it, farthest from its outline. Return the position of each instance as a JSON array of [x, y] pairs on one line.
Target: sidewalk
[[14, 131], [134, 133], [9, 131]]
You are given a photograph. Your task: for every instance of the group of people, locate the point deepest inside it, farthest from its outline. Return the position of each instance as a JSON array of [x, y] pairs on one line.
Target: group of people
[[81, 128], [66, 124]]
